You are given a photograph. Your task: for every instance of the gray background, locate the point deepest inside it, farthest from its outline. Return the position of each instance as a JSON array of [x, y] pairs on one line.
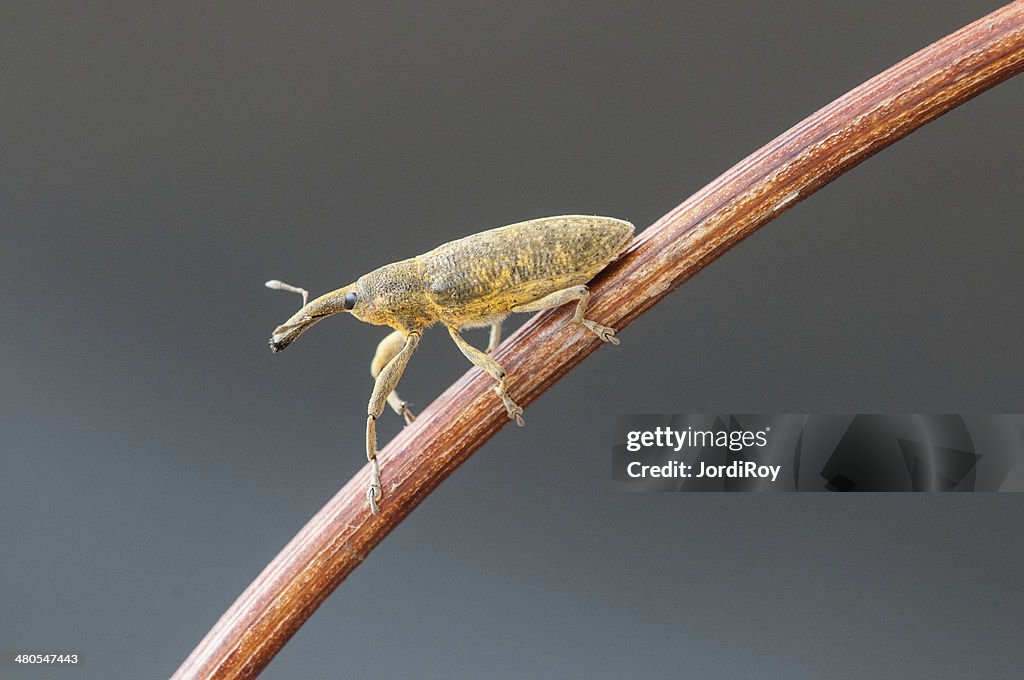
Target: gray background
[[160, 162]]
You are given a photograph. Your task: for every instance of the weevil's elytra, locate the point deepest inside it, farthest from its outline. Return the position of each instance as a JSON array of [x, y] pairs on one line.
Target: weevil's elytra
[[493, 272], [473, 281]]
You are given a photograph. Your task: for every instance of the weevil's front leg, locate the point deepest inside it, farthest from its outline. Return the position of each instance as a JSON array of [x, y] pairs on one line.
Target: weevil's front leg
[[495, 339], [387, 350], [387, 378], [560, 297], [491, 367]]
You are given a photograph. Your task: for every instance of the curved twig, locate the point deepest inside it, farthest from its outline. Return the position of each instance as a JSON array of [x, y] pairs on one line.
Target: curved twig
[[759, 188]]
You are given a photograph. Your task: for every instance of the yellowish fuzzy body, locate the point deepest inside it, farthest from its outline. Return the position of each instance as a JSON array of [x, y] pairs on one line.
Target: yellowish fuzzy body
[[479, 279]]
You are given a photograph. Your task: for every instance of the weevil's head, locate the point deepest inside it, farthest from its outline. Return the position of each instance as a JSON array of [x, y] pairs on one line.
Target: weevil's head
[[341, 300]]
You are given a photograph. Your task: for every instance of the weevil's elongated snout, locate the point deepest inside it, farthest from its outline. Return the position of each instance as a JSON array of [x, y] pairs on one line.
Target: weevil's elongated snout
[[323, 306], [286, 333]]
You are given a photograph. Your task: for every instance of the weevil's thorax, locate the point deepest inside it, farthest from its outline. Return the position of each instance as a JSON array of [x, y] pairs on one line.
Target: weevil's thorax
[[393, 296]]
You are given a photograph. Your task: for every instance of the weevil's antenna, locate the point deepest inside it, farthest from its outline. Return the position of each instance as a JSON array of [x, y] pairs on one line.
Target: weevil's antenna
[[281, 285]]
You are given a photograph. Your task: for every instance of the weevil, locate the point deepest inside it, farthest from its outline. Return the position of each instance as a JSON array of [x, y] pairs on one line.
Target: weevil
[[474, 281]]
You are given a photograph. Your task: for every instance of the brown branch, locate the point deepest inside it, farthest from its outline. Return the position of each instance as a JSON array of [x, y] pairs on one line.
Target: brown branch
[[759, 188]]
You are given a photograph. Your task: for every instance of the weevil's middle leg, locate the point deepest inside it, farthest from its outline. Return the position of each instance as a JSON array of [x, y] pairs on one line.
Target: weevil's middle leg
[[387, 350], [495, 338], [387, 379], [494, 369], [560, 297]]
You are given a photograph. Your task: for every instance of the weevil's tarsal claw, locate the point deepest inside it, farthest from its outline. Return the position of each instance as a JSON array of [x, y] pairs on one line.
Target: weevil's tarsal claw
[[373, 495], [373, 491], [604, 332], [514, 410]]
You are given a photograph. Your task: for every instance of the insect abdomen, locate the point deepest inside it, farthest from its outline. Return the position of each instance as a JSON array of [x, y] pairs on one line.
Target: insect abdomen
[[493, 271]]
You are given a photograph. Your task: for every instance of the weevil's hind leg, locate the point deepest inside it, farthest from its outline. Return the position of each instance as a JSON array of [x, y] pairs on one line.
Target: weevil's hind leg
[[387, 378], [387, 350], [560, 297], [495, 338], [491, 367]]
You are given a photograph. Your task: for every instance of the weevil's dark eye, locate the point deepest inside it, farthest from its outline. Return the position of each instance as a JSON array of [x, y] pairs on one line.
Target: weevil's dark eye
[[350, 300]]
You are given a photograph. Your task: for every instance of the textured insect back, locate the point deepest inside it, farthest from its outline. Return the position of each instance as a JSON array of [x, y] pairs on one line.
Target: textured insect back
[[490, 273]]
